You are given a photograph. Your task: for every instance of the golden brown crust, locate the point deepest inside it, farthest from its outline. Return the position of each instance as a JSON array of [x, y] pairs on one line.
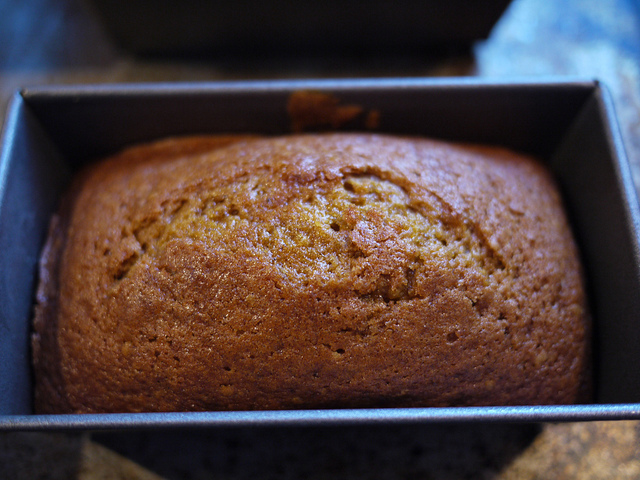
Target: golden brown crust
[[311, 271]]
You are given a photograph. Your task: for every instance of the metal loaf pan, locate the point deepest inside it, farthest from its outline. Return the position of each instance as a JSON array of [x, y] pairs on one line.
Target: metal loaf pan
[[295, 28], [51, 131]]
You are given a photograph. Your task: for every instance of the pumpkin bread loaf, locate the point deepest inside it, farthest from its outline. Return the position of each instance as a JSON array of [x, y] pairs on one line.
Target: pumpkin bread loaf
[[309, 271]]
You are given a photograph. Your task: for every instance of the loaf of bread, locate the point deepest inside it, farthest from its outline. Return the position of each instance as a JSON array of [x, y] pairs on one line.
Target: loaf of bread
[[309, 271]]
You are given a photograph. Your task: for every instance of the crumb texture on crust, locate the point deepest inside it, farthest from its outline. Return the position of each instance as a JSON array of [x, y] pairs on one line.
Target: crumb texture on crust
[[309, 271]]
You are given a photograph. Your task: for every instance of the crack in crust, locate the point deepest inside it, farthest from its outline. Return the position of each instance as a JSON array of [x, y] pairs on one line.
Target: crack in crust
[[362, 229]]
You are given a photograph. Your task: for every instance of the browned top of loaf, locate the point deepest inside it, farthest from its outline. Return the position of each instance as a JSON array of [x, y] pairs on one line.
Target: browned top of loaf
[[337, 270]]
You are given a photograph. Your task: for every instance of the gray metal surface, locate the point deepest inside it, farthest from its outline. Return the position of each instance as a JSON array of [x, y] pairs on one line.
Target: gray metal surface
[[51, 131]]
